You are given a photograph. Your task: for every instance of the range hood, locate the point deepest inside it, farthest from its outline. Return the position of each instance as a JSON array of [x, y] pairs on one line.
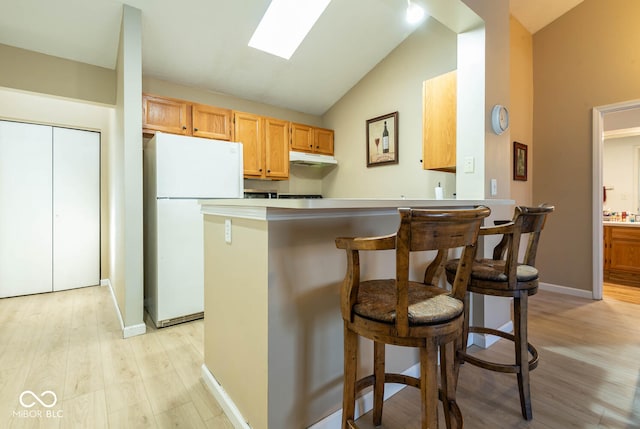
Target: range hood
[[311, 159]]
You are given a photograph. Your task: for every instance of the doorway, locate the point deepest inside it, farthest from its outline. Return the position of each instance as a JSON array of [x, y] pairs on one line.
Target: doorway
[[597, 205]]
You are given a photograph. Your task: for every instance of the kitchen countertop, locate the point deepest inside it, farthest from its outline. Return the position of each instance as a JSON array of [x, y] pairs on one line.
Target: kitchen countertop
[[611, 223], [273, 209]]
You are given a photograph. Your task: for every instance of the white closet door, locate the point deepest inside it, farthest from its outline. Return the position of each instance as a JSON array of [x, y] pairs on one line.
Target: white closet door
[[76, 208], [25, 209]]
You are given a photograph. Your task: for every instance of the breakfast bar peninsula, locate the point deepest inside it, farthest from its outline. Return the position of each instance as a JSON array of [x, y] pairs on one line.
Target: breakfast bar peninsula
[[273, 328]]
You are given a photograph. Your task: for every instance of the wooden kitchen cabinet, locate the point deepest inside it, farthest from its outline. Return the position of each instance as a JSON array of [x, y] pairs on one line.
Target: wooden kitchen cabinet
[[305, 138], [166, 115], [265, 143], [211, 122], [323, 141], [175, 116], [622, 254], [439, 100], [301, 137]]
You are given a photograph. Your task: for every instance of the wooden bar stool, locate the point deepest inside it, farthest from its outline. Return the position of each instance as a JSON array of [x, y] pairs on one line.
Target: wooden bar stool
[[410, 313], [505, 276]]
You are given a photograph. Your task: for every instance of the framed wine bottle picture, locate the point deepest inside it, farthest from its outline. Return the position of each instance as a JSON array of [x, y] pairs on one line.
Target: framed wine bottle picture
[[382, 140]]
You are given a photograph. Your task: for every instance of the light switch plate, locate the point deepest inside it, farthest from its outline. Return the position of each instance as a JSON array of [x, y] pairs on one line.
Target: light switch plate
[[494, 187], [469, 166]]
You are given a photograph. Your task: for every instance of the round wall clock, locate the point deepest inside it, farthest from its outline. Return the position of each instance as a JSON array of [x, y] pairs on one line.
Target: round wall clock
[[499, 119]]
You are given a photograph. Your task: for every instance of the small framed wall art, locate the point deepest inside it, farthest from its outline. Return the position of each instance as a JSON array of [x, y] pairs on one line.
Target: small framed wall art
[[519, 161], [382, 140]]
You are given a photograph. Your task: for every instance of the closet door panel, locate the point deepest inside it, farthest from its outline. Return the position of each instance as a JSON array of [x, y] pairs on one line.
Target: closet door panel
[[76, 208], [25, 209]]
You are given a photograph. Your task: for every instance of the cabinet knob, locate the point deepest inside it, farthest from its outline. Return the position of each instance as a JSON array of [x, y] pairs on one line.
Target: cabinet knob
[[268, 171], [195, 129], [260, 170], [184, 127]]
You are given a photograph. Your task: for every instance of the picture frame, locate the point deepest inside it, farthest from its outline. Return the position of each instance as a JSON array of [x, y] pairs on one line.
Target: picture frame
[[382, 140], [520, 161]]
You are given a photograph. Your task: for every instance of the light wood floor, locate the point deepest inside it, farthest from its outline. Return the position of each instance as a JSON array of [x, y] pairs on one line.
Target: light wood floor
[[71, 343], [621, 292], [588, 376]]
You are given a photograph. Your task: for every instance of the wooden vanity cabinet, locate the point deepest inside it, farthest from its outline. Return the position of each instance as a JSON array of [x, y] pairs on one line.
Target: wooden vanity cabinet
[[439, 121], [305, 138], [175, 116], [622, 254], [265, 143]]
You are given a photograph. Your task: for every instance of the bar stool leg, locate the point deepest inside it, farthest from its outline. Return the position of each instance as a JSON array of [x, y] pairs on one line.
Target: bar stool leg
[[350, 367], [429, 383], [452, 416], [520, 313], [378, 389]]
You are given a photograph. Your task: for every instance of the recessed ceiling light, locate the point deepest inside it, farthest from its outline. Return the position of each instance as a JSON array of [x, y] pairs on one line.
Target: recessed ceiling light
[[285, 24], [415, 12]]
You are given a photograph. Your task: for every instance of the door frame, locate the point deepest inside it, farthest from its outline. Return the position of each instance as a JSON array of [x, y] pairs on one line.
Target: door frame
[[598, 149]]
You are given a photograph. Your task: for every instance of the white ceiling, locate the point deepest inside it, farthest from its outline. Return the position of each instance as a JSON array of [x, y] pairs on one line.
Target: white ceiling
[[203, 43]]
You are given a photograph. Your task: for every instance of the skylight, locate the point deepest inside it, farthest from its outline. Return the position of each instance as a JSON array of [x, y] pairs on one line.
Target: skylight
[[285, 24]]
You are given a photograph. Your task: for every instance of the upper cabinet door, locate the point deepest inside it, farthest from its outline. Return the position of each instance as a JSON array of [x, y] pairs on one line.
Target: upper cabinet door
[[301, 137], [276, 148], [248, 131], [211, 122], [323, 141], [76, 208], [25, 209], [165, 114], [439, 123]]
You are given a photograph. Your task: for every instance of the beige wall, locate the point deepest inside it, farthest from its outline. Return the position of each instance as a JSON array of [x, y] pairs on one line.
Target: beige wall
[[521, 105], [35, 72], [588, 57], [236, 302], [395, 84]]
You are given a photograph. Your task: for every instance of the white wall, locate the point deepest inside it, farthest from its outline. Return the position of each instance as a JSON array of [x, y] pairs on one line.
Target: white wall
[[620, 172], [395, 84]]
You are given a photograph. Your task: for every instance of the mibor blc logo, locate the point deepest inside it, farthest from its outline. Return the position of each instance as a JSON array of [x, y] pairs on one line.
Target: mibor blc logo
[[48, 399]]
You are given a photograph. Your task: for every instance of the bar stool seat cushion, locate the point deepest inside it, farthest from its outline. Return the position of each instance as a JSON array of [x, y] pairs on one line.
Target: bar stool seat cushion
[[427, 304], [493, 271]]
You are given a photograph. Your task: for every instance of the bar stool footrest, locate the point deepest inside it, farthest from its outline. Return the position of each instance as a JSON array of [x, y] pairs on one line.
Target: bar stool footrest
[[494, 366]]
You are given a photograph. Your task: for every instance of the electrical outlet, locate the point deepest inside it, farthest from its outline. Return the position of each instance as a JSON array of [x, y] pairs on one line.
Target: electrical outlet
[[227, 230], [494, 187]]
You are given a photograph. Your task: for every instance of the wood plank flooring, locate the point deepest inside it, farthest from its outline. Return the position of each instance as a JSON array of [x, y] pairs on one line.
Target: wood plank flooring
[[588, 376], [621, 292], [70, 343]]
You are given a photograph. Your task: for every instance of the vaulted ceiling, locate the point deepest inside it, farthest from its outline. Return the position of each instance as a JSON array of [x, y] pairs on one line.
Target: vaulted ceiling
[[203, 43]]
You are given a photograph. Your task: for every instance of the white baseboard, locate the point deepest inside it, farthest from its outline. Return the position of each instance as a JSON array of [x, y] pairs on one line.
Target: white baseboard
[[127, 331], [364, 404], [226, 403], [566, 290]]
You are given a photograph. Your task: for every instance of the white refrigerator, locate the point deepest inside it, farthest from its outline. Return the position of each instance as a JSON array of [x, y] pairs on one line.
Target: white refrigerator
[[179, 171]]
